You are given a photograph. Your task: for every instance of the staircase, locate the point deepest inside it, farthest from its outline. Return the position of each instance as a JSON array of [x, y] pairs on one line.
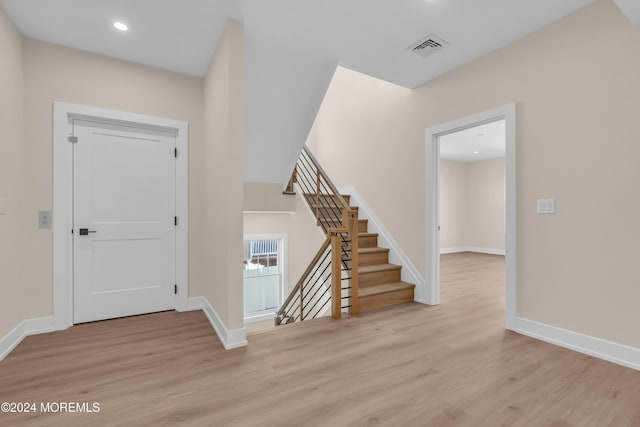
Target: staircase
[[350, 270], [379, 281]]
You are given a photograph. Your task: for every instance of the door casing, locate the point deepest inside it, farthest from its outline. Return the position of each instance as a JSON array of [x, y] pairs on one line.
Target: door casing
[[430, 291], [63, 113]]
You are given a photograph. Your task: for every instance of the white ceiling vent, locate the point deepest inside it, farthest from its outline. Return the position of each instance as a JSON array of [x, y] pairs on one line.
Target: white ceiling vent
[[428, 45]]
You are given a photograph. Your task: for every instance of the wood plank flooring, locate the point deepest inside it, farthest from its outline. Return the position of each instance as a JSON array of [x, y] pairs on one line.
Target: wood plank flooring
[[407, 365]]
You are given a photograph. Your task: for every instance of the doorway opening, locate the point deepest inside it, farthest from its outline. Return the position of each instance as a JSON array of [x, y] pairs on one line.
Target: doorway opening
[[471, 214], [471, 204]]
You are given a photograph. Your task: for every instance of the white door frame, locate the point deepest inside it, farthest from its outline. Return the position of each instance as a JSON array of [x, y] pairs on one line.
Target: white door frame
[[63, 113], [431, 291]]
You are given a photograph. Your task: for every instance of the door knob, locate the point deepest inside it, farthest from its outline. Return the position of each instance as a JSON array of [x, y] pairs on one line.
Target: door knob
[[86, 231]]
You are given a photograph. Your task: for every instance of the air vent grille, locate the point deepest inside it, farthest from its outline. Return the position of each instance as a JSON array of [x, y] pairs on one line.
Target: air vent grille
[[428, 45]]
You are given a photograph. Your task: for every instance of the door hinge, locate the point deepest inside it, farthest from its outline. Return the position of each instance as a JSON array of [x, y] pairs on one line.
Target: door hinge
[[175, 289], [73, 139], [175, 152], [175, 221]]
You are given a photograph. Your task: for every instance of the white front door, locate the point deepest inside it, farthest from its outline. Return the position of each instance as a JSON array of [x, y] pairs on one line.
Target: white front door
[[123, 215]]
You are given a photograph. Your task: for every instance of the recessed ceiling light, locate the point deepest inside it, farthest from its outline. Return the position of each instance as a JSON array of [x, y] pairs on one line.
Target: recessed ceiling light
[[120, 26], [476, 152]]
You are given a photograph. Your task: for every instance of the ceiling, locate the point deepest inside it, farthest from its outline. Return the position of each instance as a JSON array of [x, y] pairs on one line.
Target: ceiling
[[176, 35], [478, 143], [369, 36], [291, 48], [631, 8]]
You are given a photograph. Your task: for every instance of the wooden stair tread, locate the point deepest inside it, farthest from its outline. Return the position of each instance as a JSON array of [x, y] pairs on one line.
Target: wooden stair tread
[[367, 234], [366, 269], [373, 250], [384, 288]]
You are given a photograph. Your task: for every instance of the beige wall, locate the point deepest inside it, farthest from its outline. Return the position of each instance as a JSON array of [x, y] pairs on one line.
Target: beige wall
[[472, 204], [303, 235], [577, 142], [453, 204], [485, 213], [222, 160], [266, 197], [54, 73], [14, 223]]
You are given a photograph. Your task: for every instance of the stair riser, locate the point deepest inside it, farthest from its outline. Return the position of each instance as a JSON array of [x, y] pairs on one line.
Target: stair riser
[[373, 258], [384, 300], [368, 241], [379, 277]]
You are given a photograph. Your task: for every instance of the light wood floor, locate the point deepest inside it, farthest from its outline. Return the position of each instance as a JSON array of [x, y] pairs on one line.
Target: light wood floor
[[409, 365]]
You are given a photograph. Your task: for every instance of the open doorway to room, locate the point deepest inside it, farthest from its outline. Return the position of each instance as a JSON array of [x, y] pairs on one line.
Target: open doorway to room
[[471, 190], [471, 202]]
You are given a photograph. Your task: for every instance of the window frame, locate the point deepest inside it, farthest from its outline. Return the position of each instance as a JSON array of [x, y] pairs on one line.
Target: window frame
[[283, 261]]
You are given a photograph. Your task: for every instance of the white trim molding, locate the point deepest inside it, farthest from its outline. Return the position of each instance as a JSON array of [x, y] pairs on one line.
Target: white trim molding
[[260, 317], [63, 113], [430, 292], [24, 329], [490, 251], [230, 338], [409, 272], [596, 347]]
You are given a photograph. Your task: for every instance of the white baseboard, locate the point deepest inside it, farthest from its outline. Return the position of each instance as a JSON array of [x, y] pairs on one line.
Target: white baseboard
[[12, 339], [24, 329], [444, 251], [409, 272], [596, 347], [233, 338], [476, 249], [260, 318]]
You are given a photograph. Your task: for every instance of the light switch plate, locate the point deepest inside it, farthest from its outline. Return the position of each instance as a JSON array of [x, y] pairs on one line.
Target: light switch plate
[[44, 220], [546, 206], [2, 208]]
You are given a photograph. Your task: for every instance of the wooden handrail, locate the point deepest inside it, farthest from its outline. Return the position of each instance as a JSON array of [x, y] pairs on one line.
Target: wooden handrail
[[321, 171]]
